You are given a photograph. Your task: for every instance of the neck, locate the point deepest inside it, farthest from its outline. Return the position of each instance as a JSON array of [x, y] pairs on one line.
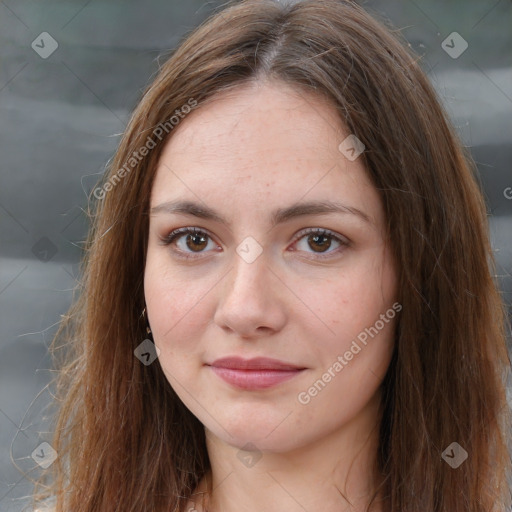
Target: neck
[[333, 473]]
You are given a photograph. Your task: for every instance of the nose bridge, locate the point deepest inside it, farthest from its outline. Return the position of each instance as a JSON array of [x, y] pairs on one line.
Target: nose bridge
[[247, 291], [249, 267], [249, 303]]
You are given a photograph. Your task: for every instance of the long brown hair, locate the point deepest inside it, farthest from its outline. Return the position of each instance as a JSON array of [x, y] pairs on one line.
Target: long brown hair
[[126, 441]]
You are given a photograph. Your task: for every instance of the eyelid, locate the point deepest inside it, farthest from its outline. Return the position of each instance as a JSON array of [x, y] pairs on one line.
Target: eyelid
[[340, 238], [176, 233]]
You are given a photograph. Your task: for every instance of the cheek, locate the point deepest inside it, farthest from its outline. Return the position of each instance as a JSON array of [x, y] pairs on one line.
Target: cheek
[[351, 368], [175, 304], [356, 320], [351, 301]]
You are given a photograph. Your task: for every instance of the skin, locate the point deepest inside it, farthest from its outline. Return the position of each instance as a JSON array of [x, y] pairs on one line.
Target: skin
[[251, 150]]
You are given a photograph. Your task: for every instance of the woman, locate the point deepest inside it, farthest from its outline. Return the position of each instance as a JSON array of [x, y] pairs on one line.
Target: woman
[[288, 299]]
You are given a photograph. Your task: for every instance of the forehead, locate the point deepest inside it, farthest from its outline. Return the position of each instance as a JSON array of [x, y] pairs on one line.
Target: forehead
[[257, 123], [261, 145]]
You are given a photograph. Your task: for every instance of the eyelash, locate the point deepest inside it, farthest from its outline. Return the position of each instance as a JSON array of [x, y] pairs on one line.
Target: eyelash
[[177, 233]]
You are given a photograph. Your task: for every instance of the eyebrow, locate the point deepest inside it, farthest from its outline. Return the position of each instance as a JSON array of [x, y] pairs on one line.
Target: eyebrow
[[278, 216]]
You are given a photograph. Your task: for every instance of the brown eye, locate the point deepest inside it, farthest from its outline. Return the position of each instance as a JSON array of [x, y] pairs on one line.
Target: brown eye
[[320, 241], [323, 242], [195, 241]]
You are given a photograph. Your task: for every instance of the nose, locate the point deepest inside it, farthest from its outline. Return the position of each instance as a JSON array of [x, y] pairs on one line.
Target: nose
[[252, 299]]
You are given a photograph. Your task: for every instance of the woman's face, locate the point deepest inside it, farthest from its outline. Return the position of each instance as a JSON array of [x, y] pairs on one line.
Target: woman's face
[[269, 274]]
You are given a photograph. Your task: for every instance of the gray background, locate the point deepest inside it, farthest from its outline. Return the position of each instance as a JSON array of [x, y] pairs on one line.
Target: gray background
[[60, 120]]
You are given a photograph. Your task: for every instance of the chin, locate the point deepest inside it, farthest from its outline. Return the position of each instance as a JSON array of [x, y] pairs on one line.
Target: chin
[[262, 435]]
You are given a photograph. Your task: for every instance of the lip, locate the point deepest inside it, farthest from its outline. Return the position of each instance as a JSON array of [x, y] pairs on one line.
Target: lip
[[256, 373], [256, 363]]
